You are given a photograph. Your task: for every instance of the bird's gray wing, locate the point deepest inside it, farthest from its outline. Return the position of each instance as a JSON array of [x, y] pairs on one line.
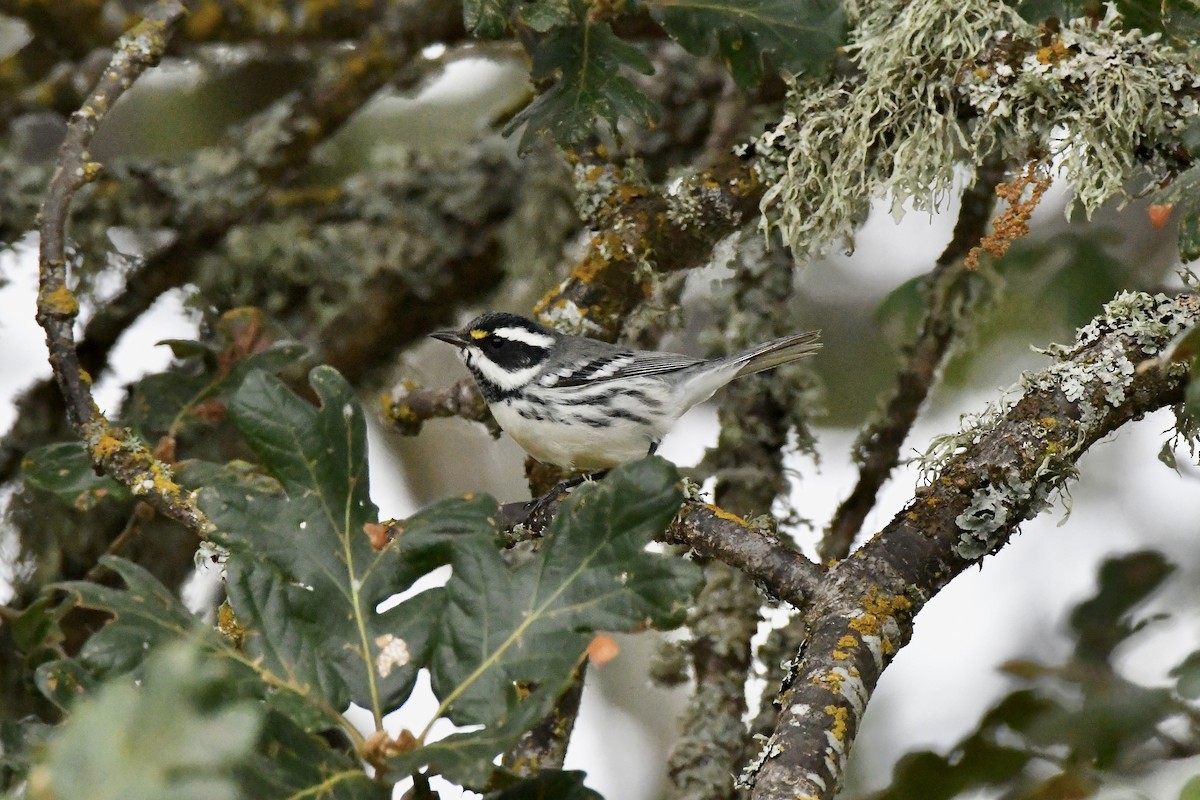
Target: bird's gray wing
[[621, 364]]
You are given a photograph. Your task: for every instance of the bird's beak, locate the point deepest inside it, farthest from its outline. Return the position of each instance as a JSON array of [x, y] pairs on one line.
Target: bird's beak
[[450, 337]]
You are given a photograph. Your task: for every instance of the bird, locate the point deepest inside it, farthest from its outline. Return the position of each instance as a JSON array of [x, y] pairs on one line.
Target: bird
[[586, 405]]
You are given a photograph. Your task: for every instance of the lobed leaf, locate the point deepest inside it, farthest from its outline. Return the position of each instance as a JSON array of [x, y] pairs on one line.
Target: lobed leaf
[[176, 737], [303, 578], [510, 637], [504, 628], [487, 19], [1101, 622], [557, 784], [145, 615], [800, 36], [65, 470], [586, 59], [292, 763]]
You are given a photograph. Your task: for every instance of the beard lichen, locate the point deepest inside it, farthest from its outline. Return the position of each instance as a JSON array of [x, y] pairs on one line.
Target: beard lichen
[[940, 87]]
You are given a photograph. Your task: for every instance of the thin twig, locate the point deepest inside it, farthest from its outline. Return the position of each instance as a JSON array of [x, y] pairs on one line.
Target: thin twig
[[408, 406], [712, 533], [114, 450], [952, 293]]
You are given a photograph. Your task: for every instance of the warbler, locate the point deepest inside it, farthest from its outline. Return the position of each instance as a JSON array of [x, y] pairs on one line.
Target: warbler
[[587, 405]]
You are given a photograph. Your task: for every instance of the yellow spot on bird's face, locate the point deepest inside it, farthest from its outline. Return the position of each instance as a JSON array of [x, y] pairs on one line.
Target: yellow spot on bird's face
[[478, 334]]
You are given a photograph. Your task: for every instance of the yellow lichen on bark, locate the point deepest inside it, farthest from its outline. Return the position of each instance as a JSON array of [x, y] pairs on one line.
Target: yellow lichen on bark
[[61, 302]]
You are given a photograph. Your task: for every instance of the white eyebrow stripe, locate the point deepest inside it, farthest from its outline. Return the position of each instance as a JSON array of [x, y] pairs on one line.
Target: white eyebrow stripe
[[514, 334]]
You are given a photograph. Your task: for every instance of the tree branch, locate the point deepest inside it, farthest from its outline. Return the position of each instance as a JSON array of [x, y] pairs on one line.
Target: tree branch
[[952, 294], [711, 533], [409, 406], [999, 471], [643, 227], [114, 450]]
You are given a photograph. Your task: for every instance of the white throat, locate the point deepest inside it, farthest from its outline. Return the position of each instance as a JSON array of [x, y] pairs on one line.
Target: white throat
[[503, 379]]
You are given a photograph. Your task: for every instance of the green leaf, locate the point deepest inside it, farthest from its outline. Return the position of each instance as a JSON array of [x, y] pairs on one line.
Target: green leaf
[[1177, 19], [466, 758], [303, 578], [1184, 348], [1166, 455], [1191, 395], [146, 614], [37, 626], [587, 58], [1113, 721], [291, 763], [1188, 673], [63, 681], [800, 36], [548, 784], [541, 17], [65, 471], [1100, 623], [1189, 236], [171, 401], [1191, 789], [19, 741], [178, 736], [507, 627], [1023, 711], [487, 19]]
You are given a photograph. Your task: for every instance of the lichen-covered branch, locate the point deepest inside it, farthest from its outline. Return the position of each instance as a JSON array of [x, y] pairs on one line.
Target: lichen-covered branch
[[939, 87], [782, 571], [1000, 470], [407, 407], [711, 533], [952, 294], [641, 229], [756, 416], [114, 450]]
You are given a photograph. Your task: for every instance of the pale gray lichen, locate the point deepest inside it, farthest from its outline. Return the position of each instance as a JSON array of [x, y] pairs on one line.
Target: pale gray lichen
[[770, 748], [943, 86], [1151, 321], [1095, 374], [995, 506]]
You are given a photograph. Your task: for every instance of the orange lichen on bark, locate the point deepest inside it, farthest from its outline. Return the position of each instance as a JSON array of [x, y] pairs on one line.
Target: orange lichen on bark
[[723, 514], [1053, 52], [844, 647], [840, 717], [877, 610], [1013, 222], [105, 447]]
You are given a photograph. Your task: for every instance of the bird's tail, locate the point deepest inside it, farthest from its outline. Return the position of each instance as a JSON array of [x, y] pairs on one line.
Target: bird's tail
[[771, 354]]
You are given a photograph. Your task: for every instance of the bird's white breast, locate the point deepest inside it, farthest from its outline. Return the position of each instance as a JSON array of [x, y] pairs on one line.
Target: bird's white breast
[[574, 445]]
